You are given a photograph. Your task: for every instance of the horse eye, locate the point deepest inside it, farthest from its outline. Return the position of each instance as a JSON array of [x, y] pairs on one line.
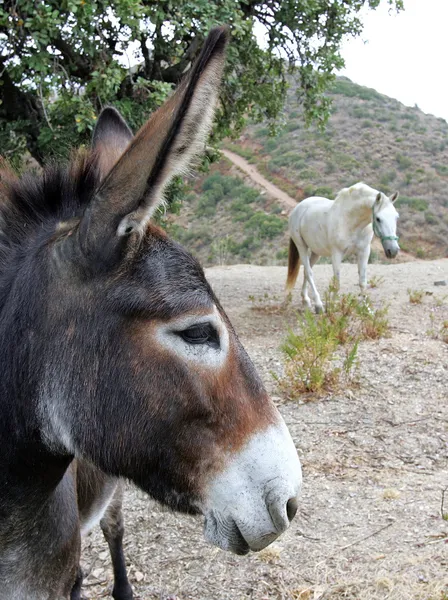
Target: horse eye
[[201, 334], [378, 220]]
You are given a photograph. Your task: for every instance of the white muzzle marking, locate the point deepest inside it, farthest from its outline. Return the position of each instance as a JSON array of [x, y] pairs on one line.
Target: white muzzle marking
[[246, 504]]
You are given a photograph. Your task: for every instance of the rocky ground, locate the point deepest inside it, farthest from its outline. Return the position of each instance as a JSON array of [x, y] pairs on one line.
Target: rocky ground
[[375, 464]]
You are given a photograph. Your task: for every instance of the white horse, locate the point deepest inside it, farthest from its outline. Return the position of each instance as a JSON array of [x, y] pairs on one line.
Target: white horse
[[322, 227]]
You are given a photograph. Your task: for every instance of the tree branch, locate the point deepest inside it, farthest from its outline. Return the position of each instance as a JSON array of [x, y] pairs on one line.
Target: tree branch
[[19, 105], [76, 64]]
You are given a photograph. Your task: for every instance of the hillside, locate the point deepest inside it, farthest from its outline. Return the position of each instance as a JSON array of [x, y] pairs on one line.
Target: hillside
[[369, 137]]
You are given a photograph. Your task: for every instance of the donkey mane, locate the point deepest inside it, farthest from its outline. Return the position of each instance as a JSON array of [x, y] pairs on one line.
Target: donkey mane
[[59, 192]]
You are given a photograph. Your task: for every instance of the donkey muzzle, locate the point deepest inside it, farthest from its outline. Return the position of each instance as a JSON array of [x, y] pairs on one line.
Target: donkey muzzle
[[254, 499]]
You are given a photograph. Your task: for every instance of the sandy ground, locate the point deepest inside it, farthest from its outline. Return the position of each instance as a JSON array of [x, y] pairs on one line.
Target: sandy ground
[[375, 462]]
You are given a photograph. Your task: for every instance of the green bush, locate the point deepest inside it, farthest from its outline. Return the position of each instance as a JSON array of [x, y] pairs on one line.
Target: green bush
[[324, 191], [441, 169], [414, 203], [270, 144], [265, 226], [261, 132], [361, 112], [345, 87], [313, 358], [211, 181], [388, 177], [308, 174], [430, 218], [404, 162], [240, 210], [293, 126]]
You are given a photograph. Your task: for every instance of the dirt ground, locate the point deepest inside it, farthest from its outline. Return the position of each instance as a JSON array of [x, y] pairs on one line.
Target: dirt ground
[[375, 463]]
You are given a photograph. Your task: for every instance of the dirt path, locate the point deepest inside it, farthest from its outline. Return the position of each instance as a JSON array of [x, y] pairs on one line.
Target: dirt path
[[375, 462], [274, 191]]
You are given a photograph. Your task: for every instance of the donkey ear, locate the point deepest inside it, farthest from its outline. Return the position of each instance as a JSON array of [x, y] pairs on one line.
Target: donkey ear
[[162, 148], [110, 139], [394, 197]]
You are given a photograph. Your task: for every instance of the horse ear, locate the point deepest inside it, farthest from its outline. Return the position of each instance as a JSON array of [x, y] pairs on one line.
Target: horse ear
[[110, 139], [162, 148], [378, 198], [394, 197]]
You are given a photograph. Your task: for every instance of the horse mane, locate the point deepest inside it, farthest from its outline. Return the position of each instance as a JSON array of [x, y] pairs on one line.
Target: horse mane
[[31, 202], [355, 192]]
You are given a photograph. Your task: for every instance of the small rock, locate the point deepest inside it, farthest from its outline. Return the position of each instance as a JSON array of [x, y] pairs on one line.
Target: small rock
[[98, 573], [441, 282], [138, 576]]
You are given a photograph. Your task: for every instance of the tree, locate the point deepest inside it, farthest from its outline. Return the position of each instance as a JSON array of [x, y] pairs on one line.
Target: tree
[[62, 60]]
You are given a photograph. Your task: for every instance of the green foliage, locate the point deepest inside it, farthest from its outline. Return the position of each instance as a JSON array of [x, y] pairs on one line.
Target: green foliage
[[345, 87], [265, 226], [324, 191], [414, 203], [387, 177], [404, 162], [60, 62], [322, 354], [441, 169], [430, 218]]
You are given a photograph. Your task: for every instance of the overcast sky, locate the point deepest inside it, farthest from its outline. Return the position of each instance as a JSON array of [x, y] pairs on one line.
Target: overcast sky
[[404, 56]]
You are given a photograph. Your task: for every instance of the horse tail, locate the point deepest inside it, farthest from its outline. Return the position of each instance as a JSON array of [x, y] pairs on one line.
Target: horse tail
[[293, 266]]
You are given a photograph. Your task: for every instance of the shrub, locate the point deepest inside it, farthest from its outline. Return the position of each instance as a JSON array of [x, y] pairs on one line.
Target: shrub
[[324, 191], [240, 210], [430, 218], [211, 181], [375, 281], [415, 296], [345, 87], [404, 162], [310, 356], [293, 125], [266, 226], [414, 203], [388, 177], [314, 359], [441, 169], [261, 132]]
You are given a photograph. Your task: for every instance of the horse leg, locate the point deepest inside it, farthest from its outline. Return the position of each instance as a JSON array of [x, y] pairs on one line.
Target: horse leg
[[336, 259], [75, 594], [113, 529], [306, 299], [318, 306], [363, 259]]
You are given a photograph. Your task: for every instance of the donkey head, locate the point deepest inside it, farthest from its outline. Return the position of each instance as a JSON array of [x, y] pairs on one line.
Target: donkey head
[[144, 374]]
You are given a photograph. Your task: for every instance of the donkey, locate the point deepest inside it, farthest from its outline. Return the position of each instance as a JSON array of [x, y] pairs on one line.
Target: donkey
[[116, 353], [322, 227]]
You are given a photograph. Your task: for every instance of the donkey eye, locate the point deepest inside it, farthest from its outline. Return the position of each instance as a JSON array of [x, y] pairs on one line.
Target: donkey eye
[[201, 334]]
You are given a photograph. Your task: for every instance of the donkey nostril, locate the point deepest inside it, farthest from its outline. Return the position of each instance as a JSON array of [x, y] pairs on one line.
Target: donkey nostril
[[291, 508]]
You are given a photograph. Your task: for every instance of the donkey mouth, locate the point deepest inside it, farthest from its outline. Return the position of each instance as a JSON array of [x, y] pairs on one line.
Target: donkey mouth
[[225, 535]]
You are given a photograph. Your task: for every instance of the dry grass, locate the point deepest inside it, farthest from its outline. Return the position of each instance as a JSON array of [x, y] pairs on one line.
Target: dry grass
[[375, 281], [416, 296]]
